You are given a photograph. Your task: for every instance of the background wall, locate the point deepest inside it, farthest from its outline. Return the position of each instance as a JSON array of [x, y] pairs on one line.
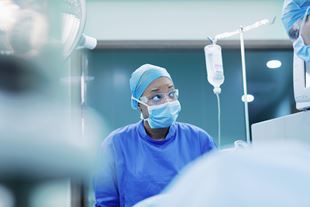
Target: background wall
[[180, 19], [109, 93]]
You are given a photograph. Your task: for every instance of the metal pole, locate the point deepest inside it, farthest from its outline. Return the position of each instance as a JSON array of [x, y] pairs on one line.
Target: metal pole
[[246, 110], [83, 91]]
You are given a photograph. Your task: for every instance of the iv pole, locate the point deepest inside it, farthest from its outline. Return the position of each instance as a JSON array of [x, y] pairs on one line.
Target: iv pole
[[84, 79], [241, 32]]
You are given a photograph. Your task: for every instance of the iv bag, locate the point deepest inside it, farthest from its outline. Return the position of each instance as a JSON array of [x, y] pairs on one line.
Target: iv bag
[[214, 64]]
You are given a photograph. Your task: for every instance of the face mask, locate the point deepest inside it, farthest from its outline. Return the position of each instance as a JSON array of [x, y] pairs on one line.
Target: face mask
[[301, 49], [163, 115]]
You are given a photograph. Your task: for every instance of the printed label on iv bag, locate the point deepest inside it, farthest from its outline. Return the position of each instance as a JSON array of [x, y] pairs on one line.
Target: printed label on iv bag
[[214, 64]]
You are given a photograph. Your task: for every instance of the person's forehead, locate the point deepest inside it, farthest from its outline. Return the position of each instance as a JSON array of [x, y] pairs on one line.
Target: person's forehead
[[306, 25], [159, 84]]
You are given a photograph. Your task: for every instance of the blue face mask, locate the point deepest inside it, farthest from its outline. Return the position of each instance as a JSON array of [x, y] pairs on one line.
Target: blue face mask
[[301, 49], [163, 115]]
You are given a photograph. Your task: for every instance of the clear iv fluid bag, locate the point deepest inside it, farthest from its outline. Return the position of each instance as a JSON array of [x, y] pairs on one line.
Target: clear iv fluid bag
[[214, 63]]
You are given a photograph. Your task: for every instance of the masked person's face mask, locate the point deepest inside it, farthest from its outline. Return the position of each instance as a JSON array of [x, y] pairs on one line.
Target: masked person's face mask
[[302, 43], [162, 115]]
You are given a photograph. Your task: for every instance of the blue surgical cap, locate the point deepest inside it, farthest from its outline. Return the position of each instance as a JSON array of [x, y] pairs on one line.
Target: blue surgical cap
[[293, 10], [142, 77]]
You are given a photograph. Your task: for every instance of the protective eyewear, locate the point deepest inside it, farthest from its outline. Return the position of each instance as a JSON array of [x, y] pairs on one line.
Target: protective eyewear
[[159, 98], [301, 27]]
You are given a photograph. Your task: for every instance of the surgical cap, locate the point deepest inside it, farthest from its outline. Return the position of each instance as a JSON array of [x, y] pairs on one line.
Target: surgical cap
[[293, 10], [142, 77]]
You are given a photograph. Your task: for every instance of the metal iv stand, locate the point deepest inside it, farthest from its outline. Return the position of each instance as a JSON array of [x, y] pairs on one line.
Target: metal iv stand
[[241, 32]]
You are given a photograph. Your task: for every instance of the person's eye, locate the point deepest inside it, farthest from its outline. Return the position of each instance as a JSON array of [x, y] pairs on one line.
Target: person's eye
[[172, 94], [294, 34], [156, 98]]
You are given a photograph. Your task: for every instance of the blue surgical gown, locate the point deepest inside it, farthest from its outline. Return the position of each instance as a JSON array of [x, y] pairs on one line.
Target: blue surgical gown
[[134, 166]]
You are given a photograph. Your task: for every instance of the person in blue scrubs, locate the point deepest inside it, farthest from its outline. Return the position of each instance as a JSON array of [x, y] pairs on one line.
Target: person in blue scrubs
[[139, 160], [296, 21]]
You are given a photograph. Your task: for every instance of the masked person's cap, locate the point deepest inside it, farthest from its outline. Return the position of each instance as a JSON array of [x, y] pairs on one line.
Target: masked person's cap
[[294, 10], [142, 77]]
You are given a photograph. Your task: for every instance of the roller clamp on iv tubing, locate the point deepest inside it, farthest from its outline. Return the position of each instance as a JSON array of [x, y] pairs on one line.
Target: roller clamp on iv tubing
[[240, 32]]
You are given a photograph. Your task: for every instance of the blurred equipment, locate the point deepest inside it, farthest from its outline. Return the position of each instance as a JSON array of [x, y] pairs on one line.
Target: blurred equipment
[[6, 198], [41, 141], [48, 23], [301, 74], [74, 19], [281, 178], [291, 127]]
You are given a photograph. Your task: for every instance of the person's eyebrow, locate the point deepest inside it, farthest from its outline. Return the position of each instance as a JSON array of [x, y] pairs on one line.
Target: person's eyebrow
[[154, 89], [157, 89]]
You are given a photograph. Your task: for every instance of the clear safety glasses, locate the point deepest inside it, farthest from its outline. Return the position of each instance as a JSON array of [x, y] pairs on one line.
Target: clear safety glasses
[[160, 98], [305, 30], [301, 27]]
